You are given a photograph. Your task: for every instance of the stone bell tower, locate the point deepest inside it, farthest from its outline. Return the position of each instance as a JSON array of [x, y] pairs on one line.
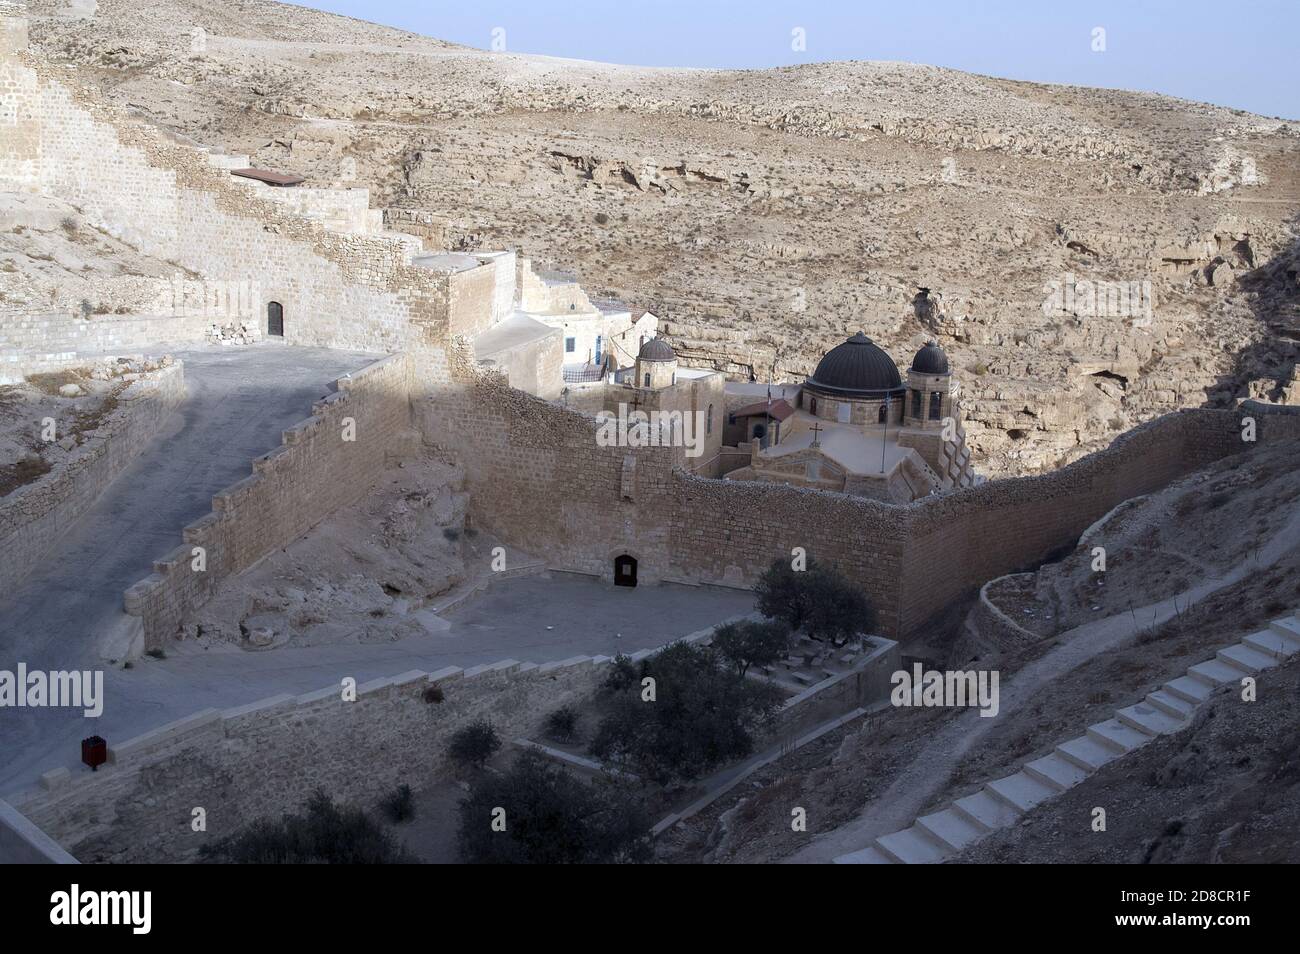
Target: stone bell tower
[[656, 365], [929, 389]]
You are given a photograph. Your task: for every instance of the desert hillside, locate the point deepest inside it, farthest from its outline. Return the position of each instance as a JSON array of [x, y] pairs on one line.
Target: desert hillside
[[765, 215]]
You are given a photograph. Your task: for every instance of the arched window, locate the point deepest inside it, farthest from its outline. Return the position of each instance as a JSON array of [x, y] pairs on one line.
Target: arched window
[[812, 406], [647, 379], [708, 421], [883, 411], [936, 404], [916, 403]]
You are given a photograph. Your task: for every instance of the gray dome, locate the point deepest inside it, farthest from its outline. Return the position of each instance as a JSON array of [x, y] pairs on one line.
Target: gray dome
[[656, 349], [857, 368], [930, 360]]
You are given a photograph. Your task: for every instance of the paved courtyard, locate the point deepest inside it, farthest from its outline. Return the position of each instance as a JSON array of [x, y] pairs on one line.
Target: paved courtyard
[[239, 401], [508, 620]]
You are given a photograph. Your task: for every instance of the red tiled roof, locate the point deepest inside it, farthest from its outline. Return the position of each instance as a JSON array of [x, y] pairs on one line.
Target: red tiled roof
[[779, 409]]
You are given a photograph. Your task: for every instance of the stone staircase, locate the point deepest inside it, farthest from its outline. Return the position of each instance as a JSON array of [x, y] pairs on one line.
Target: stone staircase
[[1001, 803]]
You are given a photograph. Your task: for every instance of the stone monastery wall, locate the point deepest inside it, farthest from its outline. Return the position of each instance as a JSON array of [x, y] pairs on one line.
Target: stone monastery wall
[[539, 476], [345, 291], [314, 472], [538, 479], [33, 517], [31, 340]]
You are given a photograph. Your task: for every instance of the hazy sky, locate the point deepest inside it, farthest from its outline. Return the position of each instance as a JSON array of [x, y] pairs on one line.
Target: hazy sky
[[1242, 54]]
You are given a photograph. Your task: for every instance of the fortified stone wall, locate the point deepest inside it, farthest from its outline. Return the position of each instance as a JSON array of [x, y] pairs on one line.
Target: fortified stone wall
[[45, 337], [347, 291], [423, 224], [538, 479], [33, 517], [539, 476], [345, 211], [482, 296], [327, 461], [958, 541]]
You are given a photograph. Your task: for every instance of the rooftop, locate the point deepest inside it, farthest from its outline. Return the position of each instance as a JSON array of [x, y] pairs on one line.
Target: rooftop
[[269, 177]]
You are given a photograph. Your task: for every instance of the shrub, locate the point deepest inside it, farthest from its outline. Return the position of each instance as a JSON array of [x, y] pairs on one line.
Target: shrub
[[748, 643], [434, 695], [562, 724], [323, 833], [703, 714], [551, 817], [399, 804], [474, 744], [623, 675]]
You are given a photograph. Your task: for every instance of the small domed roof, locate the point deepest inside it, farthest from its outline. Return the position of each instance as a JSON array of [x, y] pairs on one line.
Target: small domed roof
[[656, 349], [930, 360], [859, 367]]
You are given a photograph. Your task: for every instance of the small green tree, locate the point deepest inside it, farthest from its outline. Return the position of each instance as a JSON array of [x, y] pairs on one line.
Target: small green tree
[[474, 744], [551, 817], [817, 600], [562, 724], [748, 643], [782, 593], [703, 714], [838, 610]]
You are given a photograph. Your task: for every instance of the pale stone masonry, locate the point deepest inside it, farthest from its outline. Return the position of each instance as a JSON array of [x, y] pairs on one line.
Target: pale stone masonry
[[34, 516], [353, 291], [327, 461], [913, 560]]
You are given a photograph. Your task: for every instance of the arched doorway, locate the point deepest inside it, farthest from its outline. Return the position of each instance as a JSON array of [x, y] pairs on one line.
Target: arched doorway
[[275, 319], [625, 570]]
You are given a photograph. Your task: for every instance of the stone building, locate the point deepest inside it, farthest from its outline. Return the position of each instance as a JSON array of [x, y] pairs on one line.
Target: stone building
[[856, 427]]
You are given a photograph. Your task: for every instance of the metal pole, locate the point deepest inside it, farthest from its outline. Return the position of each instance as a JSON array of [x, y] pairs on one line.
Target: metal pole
[[883, 435]]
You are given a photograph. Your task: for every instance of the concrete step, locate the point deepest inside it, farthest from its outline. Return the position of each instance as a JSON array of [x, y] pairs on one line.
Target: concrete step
[[986, 811], [1147, 718], [951, 828], [1055, 772], [1248, 660], [1288, 626], [1120, 737], [1214, 673], [1020, 791], [1188, 689], [867, 856], [912, 846], [1087, 753], [1170, 704], [1270, 642]]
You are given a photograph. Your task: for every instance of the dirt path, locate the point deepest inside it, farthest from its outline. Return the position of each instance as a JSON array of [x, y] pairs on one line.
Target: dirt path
[[898, 805]]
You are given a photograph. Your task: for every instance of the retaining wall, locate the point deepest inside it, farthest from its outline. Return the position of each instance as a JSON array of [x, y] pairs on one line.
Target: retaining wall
[[36, 515], [316, 470]]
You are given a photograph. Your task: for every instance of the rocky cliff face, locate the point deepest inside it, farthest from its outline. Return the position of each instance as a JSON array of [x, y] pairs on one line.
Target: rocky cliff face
[[1087, 258]]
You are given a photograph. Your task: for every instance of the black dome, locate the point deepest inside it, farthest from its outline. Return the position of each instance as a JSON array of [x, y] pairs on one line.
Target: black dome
[[656, 349], [857, 368], [930, 360]]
